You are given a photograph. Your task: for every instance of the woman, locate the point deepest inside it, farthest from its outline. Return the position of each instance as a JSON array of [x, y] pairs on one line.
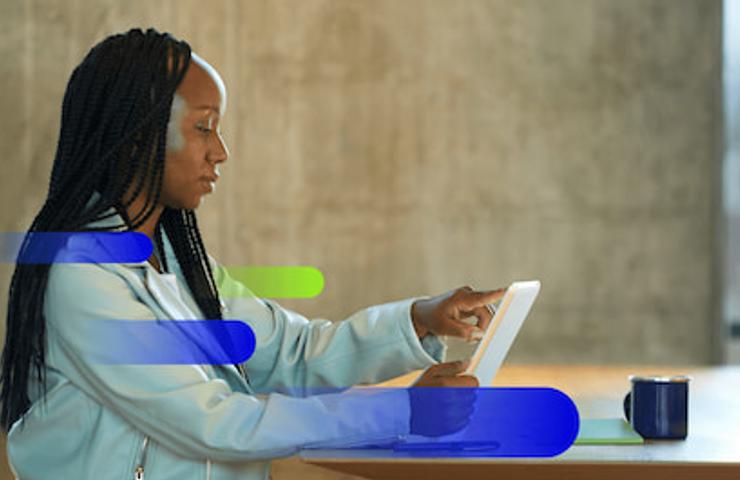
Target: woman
[[138, 149]]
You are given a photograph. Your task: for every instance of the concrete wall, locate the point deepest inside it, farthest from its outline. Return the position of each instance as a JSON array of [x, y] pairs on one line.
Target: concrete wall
[[411, 147]]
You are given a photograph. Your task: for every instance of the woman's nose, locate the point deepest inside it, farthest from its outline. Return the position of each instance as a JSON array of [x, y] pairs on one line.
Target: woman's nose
[[220, 153]]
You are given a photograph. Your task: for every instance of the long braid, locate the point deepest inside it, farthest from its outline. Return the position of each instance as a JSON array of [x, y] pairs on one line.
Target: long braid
[[192, 259], [112, 135]]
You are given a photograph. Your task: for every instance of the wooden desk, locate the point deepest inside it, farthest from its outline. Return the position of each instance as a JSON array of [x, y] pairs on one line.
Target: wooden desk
[[711, 451]]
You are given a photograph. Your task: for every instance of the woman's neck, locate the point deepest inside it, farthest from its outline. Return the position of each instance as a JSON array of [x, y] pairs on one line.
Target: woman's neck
[[149, 226]]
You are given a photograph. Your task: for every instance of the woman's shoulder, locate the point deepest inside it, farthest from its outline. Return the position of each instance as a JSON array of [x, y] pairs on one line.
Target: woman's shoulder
[[84, 278], [78, 291]]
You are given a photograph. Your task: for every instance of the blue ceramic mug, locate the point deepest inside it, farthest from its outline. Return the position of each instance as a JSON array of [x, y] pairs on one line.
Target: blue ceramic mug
[[657, 407]]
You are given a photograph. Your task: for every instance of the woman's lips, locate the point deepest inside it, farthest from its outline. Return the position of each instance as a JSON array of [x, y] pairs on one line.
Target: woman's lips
[[208, 184]]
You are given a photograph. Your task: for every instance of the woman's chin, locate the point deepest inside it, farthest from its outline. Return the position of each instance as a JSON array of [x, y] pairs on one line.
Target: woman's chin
[[196, 203]]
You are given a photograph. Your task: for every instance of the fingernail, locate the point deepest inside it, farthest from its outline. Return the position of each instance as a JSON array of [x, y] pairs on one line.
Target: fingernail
[[476, 335]]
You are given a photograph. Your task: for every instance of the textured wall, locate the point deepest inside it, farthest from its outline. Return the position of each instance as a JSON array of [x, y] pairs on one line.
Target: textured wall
[[411, 147], [414, 146]]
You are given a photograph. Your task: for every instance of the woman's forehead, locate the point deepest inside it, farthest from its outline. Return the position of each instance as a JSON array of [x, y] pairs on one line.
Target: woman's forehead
[[202, 86]]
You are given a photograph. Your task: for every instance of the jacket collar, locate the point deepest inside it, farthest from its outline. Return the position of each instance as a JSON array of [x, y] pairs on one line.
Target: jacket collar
[[115, 220]]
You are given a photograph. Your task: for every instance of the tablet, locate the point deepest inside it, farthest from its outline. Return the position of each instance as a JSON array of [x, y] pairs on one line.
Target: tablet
[[501, 332]]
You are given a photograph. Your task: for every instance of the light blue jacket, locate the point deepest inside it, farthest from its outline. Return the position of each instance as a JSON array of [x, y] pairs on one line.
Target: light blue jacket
[[183, 422]]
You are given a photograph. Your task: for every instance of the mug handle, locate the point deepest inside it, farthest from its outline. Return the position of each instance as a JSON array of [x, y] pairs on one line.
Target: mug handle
[[627, 404]]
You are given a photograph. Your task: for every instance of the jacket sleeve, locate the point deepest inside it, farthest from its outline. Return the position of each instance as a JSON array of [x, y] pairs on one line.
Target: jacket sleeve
[[292, 352], [179, 405]]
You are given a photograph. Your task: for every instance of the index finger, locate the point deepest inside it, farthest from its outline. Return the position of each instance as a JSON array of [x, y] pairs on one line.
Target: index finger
[[474, 300]]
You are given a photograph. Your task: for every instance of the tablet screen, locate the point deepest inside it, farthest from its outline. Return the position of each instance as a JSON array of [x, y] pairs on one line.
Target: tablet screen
[[501, 332]]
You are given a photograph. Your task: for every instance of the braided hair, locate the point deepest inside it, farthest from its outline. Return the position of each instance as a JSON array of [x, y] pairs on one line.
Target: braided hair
[[112, 138]]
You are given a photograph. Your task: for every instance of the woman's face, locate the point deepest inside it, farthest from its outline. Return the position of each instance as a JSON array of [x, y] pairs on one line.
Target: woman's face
[[195, 147]]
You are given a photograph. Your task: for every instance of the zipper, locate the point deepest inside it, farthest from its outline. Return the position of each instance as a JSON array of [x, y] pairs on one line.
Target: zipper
[[244, 374], [139, 470]]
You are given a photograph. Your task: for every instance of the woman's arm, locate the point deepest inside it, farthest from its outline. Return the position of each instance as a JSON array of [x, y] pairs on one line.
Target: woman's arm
[[292, 352]]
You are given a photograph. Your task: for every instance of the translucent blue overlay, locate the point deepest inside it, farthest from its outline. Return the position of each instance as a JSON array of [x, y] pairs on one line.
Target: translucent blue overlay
[[479, 422], [74, 247], [147, 342]]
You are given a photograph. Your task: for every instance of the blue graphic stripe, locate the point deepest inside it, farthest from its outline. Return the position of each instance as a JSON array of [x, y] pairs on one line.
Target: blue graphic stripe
[[148, 342], [507, 422], [74, 247], [477, 422]]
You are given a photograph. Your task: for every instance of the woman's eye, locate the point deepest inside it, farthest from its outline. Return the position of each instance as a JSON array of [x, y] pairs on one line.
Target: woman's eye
[[203, 128]]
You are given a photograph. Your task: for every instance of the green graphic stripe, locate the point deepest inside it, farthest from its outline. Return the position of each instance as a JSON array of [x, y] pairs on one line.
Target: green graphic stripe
[[276, 282]]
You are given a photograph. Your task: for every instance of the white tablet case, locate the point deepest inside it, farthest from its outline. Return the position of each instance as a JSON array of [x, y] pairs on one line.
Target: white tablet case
[[501, 332]]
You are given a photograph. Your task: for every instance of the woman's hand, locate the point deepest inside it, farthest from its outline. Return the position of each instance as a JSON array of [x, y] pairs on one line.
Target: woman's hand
[[447, 375], [439, 411], [443, 314]]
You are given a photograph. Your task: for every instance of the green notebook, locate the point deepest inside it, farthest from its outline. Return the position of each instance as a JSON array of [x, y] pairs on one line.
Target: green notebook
[[606, 431]]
